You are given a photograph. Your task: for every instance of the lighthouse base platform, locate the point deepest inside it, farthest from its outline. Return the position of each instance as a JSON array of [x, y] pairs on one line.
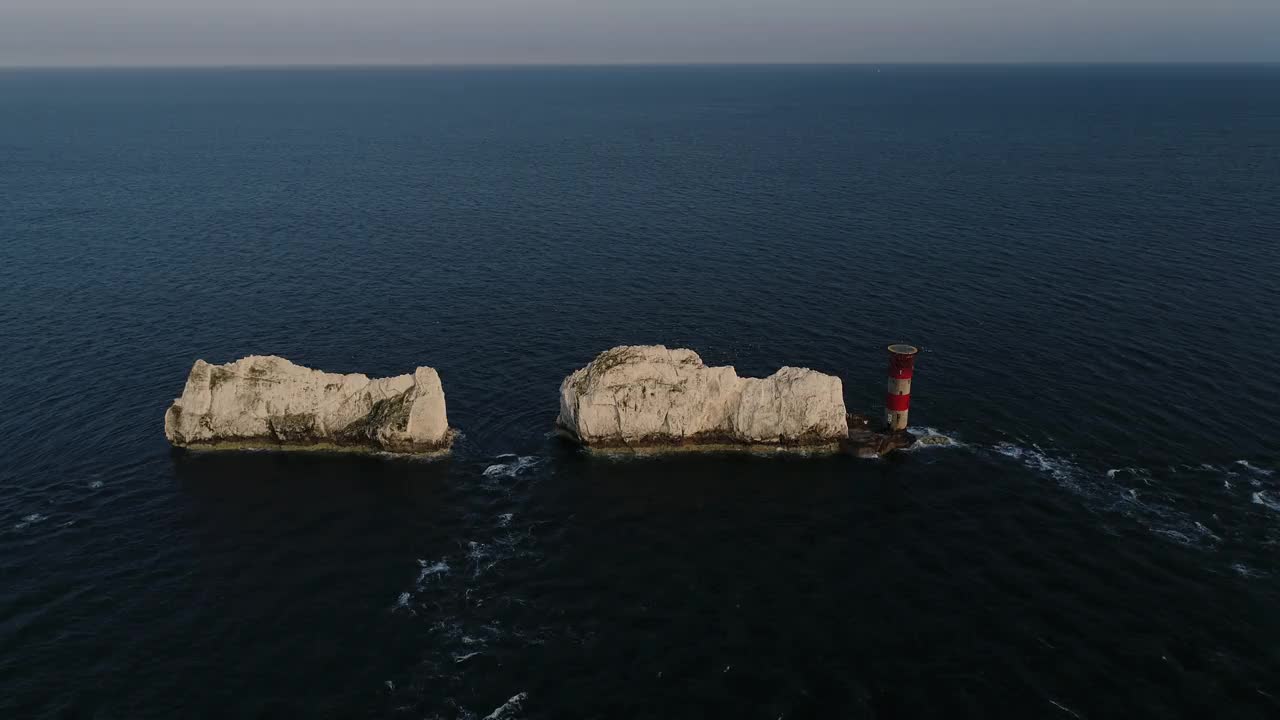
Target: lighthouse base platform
[[865, 442]]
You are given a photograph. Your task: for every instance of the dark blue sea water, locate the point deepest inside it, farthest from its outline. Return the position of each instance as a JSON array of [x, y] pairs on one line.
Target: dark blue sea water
[[1087, 255]]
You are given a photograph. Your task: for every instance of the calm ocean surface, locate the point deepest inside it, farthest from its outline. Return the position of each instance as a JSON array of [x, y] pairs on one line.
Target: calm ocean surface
[[1088, 257]]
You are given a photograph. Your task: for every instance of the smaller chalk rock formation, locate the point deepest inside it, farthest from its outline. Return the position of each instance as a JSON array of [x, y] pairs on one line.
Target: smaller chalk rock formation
[[269, 402], [648, 396]]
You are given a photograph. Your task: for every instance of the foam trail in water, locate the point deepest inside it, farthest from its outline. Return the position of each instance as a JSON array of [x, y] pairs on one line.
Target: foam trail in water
[[1064, 471], [1064, 708], [1100, 490]]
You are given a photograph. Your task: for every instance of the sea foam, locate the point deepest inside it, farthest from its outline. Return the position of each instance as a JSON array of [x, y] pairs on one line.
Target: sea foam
[[1254, 469], [511, 468], [428, 569], [29, 520], [1261, 498], [928, 438], [509, 708]]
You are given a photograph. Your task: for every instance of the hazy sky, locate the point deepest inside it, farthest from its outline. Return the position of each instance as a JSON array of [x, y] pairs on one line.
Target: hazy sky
[[221, 32]]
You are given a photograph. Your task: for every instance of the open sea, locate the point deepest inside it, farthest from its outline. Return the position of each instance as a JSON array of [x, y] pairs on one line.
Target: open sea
[[1088, 256]]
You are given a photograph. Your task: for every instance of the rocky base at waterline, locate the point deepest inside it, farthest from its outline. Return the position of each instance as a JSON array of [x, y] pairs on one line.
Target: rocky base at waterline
[[651, 397], [866, 442], [269, 402]]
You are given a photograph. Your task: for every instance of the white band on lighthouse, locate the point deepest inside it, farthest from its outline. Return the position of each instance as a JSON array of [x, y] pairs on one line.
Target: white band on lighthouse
[[897, 401]]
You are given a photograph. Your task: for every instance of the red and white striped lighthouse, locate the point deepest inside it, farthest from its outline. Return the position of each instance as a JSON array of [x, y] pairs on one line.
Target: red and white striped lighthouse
[[902, 360]]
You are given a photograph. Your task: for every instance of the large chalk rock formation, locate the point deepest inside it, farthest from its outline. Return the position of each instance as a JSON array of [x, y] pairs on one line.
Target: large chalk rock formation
[[270, 402], [647, 395]]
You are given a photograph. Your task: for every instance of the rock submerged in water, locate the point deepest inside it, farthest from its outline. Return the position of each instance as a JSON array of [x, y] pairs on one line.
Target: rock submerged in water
[[269, 402], [648, 396]]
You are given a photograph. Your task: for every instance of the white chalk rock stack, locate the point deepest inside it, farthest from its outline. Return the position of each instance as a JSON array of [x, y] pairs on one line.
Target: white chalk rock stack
[[650, 396], [267, 401]]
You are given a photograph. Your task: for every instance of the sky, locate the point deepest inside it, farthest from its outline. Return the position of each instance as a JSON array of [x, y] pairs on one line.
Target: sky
[[289, 32]]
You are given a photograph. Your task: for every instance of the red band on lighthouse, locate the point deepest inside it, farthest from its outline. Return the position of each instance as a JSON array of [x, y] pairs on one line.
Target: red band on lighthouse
[[901, 366], [902, 360]]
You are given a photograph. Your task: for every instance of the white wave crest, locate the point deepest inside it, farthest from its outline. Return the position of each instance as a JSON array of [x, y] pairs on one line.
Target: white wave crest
[[1261, 498], [29, 520], [1143, 473], [509, 708], [1207, 532], [1255, 469], [511, 468], [1245, 571], [429, 569], [1176, 535]]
